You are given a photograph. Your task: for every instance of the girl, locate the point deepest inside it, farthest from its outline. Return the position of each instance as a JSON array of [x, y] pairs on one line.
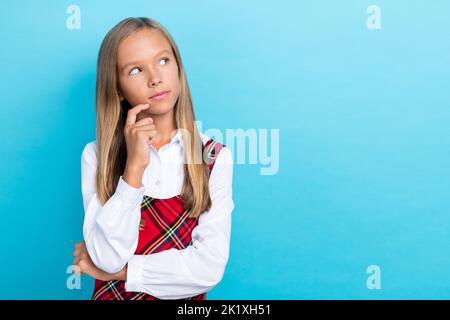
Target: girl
[[157, 194]]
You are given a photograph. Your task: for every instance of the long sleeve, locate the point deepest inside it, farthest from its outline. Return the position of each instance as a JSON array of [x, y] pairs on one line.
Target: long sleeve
[[177, 274], [110, 231]]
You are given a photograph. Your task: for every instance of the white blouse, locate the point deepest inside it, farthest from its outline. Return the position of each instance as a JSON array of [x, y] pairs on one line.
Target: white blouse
[[111, 231]]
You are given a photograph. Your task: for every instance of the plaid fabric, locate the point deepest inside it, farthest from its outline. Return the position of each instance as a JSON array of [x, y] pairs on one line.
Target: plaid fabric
[[166, 226]]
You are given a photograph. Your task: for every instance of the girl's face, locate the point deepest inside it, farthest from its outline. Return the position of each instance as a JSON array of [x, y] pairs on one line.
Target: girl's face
[[146, 66]]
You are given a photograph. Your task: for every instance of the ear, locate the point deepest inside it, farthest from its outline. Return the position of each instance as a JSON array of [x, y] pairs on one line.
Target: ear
[[120, 95]]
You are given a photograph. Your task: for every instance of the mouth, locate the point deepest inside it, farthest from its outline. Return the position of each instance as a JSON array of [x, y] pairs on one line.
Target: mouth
[[160, 95]]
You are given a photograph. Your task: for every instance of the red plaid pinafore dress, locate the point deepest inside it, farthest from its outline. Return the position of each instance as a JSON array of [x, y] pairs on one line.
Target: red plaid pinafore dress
[[166, 226]]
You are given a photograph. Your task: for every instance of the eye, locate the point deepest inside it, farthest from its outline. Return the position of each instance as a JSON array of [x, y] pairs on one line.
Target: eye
[[164, 59], [132, 70]]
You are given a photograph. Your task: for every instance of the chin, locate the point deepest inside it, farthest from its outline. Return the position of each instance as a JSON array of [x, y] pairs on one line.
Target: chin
[[159, 109]]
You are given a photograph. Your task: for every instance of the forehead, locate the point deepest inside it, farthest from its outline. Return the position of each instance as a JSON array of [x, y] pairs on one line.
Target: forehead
[[141, 45]]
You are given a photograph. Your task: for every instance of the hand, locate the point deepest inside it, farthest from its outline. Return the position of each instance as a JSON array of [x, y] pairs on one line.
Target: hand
[[139, 135], [84, 264]]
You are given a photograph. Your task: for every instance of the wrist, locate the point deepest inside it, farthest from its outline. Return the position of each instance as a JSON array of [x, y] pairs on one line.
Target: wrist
[[133, 176], [122, 274]]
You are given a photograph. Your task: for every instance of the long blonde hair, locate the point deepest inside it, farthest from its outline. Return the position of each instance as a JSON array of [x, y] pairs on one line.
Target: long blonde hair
[[111, 115]]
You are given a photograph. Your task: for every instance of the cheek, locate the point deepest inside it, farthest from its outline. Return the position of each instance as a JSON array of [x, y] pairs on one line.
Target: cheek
[[124, 86], [175, 81], [129, 84], [132, 88]]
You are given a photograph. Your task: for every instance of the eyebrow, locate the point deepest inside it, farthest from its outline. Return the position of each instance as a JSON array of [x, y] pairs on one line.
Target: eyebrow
[[137, 62]]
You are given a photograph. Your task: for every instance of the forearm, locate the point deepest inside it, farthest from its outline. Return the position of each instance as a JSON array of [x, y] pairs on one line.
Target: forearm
[[117, 219]]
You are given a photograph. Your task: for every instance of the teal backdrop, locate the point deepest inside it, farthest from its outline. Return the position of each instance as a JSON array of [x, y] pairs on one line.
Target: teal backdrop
[[364, 140]]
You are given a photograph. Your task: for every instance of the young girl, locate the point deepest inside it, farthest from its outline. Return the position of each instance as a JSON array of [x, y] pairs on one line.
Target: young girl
[[157, 193]]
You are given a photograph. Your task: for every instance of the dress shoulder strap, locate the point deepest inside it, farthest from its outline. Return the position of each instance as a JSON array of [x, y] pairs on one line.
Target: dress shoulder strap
[[212, 149]]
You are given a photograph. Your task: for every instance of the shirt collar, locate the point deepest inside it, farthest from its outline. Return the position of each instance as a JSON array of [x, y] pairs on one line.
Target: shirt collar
[[178, 138]]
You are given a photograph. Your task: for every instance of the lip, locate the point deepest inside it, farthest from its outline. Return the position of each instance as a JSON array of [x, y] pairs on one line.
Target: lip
[[160, 95]]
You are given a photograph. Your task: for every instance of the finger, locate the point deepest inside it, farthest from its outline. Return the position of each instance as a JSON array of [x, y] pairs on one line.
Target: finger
[[141, 122], [79, 244], [145, 127], [149, 136], [77, 269], [145, 134], [132, 113]]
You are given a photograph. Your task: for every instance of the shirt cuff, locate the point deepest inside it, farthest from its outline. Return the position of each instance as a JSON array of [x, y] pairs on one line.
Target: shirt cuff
[[128, 193], [134, 274]]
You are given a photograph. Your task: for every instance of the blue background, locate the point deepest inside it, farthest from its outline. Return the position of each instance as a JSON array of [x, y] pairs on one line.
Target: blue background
[[364, 140]]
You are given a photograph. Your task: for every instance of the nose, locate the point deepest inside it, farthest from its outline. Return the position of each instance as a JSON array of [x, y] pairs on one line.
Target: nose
[[154, 84], [154, 80]]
